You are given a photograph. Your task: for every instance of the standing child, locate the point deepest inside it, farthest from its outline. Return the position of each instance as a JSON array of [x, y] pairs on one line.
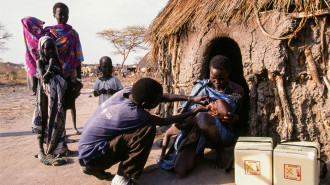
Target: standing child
[[121, 130], [107, 85], [48, 119]]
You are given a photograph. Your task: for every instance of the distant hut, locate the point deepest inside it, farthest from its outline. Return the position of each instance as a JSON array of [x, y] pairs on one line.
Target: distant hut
[[279, 50], [147, 63]]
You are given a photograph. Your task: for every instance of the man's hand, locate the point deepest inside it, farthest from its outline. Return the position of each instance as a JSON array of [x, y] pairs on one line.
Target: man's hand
[[201, 99]]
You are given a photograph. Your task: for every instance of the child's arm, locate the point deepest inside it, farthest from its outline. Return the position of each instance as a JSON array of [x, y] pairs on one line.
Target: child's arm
[[118, 86], [177, 118], [43, 74], [97, 91], [171, 131], [50, 70], [202, 99]]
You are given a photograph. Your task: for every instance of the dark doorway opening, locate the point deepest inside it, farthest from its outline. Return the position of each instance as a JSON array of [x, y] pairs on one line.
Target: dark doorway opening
[[228, 47]]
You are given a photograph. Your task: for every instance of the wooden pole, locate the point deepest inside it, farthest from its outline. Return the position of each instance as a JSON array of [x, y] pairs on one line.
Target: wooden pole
[[287, 127]]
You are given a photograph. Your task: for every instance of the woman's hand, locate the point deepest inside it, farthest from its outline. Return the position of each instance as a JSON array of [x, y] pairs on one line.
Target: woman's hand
[[52, 63], [46, 77], [77, 88], [230, 118], [201, 99]]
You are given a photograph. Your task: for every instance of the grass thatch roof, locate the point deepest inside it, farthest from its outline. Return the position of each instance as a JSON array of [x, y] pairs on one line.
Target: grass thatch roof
[[177, 15]]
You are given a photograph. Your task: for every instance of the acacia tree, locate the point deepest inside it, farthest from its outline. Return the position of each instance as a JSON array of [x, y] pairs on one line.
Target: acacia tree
[[127, 40], [4, 35]]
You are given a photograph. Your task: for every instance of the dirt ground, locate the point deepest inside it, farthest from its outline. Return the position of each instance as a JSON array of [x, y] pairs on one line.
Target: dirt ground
[[18, 145]]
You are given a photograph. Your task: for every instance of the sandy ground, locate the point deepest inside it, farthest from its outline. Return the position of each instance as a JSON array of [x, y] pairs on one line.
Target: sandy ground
[[18, 145]]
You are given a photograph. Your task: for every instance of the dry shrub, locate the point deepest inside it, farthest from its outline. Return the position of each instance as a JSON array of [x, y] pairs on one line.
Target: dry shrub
[[13, 74]]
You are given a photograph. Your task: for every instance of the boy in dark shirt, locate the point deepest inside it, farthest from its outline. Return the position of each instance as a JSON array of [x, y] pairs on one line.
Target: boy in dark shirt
[[121, 130]]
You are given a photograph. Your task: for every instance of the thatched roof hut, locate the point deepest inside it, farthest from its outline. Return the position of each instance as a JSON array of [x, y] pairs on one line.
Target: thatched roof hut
[[279, 50], [146, 62]]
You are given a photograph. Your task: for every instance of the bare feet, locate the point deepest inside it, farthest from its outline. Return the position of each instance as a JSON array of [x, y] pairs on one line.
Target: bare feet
[[77, 132], [216, 164], [41, 154]]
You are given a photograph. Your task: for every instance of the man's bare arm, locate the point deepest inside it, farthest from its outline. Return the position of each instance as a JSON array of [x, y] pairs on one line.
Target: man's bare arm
[[177, 118], [202, 99]]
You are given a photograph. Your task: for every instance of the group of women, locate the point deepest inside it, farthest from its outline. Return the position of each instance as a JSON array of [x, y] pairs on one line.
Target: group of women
[[54, 56]]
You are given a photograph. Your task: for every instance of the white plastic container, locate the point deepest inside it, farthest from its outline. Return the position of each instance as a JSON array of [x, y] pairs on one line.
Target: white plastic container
[[253, 161], [295, 163]]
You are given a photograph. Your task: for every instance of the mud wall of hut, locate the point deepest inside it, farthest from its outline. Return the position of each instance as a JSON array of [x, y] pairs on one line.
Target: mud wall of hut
[[285, 102]]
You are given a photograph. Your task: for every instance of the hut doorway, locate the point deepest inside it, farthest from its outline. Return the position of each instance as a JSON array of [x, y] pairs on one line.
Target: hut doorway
[[228, 47]]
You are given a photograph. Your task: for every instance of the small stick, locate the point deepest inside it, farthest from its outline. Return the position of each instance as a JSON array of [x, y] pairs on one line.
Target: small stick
[[327, 83], [323, 22], [313, 69]]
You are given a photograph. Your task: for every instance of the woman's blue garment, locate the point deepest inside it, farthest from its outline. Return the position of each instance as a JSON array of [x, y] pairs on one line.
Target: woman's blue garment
[[225, 131]]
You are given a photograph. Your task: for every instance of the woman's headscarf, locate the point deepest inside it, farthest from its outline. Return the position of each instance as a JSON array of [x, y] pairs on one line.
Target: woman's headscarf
[[41, 42]]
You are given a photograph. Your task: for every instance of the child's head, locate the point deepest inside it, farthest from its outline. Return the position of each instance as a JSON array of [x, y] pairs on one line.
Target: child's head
[[47, 48], [61, 13], [147, 93], [106, 66]]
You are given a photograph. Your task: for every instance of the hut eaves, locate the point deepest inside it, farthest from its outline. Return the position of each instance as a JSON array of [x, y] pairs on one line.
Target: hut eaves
[[178, 15]]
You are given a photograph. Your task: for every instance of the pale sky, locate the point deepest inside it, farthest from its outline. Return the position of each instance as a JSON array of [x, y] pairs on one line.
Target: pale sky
[[87, 17]]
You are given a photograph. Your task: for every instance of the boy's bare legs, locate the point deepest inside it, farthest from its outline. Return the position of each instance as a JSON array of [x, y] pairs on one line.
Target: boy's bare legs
[[74, 118], [185, 160]]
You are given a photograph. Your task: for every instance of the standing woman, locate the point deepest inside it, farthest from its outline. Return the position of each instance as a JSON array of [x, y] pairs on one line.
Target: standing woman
[[70, 55]]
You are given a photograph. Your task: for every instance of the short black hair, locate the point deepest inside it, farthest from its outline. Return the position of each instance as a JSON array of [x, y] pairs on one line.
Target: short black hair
[[220, 62], [146, 90], [59, 5], [104, 58]]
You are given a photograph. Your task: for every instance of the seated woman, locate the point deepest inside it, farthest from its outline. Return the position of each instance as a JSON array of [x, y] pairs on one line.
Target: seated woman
[[206, 130]]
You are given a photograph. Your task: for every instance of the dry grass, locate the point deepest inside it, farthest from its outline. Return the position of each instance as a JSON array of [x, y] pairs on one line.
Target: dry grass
[[13, 74], [127, 81]]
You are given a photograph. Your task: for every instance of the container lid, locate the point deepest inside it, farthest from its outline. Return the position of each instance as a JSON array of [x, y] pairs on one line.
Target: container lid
[[299, 147], [255, 139], [254, 143]]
